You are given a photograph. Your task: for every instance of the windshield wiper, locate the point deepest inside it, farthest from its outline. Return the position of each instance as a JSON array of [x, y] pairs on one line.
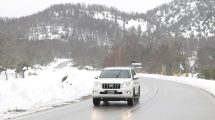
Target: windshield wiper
[[118, 74]]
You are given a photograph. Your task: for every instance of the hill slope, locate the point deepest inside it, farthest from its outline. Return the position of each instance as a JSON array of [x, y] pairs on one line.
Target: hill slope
[[165, 37]]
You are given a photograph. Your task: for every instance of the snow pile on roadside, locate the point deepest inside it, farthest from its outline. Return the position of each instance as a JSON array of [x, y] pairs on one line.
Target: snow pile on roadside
[[45, 88], [207, 85]]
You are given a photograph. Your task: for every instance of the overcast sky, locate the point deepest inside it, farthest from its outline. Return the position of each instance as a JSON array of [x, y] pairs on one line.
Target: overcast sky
[[18, 8]]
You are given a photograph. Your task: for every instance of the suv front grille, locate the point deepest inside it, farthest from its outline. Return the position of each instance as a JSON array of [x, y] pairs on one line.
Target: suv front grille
[[110, 86]]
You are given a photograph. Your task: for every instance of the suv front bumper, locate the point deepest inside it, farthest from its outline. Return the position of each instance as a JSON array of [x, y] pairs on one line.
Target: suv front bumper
[[113, 94]]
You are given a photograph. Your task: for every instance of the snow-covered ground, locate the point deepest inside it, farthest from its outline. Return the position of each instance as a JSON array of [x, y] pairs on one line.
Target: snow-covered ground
[[45, 88], [206, 85]]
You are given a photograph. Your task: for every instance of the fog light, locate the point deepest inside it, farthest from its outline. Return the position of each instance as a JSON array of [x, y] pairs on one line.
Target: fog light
[[128, 92]]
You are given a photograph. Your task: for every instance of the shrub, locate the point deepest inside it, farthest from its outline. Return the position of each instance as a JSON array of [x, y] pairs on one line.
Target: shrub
[[208, 73]]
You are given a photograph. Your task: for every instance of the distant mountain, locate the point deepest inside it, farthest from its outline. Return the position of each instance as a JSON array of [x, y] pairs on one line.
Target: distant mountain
[[179, 18], [60, 21]]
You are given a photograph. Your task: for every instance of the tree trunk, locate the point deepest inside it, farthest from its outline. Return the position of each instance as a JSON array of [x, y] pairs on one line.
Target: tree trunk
[[6, 75]]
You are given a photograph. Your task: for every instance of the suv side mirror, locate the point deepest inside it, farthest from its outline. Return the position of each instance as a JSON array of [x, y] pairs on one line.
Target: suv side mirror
[[135, 77]]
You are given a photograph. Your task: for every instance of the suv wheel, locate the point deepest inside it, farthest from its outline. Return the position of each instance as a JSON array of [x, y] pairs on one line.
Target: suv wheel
[[138, 95], [96, 101]]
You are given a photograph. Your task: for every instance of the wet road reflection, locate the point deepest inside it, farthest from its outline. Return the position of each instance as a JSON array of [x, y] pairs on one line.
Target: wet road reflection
[[114, 110]]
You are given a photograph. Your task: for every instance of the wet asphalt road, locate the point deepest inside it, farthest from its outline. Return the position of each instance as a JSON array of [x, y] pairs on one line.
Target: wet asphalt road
[[160, 100]]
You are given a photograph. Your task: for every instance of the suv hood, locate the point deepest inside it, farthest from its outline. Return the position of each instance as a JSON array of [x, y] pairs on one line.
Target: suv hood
[[113, 80]]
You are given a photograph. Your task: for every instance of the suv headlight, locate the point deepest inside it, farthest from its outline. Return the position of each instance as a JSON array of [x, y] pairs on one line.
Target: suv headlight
[[97, 85], [126, 84]]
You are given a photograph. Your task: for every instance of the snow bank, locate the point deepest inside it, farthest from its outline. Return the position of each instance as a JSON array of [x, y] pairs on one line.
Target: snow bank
[[46, 87], [207, 85]]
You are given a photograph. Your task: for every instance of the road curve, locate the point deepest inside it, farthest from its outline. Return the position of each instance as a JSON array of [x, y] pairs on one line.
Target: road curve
[[160, 100]]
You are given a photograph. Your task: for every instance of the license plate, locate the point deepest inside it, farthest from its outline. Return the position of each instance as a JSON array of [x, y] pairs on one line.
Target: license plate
[[110, 92]]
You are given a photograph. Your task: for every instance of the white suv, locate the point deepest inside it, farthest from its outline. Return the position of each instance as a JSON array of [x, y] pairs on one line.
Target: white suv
[[116, 84]]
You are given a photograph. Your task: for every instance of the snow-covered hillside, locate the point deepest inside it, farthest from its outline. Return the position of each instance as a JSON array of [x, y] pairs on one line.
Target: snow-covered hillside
[[122, 22], [60, 31], [186, 18], [179, 18]]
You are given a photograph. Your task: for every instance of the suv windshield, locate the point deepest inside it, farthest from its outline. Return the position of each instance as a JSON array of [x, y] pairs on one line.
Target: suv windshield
[[115, 74]]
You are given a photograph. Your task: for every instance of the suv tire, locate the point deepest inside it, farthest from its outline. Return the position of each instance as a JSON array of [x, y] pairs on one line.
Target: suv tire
[[96, 101], [131, 101], [138, 95]]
